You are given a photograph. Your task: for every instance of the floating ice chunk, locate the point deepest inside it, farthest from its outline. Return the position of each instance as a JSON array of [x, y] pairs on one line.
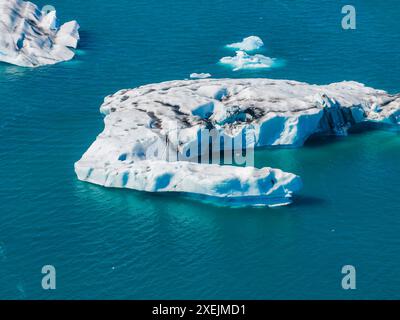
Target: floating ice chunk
[[242, 60], [31, 38], [265, 112], [248, 44], [200, 75]]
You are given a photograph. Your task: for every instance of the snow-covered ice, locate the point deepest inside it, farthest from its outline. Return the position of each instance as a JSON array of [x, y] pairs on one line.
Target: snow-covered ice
[[200, 75], [31, 38], [243, 60], [266, 112], [247, 44]]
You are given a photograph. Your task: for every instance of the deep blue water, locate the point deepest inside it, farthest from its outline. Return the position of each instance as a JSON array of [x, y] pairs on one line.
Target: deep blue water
[[124, 244]]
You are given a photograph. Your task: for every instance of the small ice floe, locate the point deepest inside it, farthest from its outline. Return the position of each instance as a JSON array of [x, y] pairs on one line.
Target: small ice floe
[[243, 60], [200, 75], [247, 44]]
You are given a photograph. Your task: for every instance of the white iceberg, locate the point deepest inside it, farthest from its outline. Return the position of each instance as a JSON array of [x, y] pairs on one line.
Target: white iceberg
[[31, 38], [248, 44], [243, 60], [200, 75], [235, 185], [266, 112]]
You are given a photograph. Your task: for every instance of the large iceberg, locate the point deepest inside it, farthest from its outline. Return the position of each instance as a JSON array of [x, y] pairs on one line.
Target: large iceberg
[[31, 38], [260, 112]]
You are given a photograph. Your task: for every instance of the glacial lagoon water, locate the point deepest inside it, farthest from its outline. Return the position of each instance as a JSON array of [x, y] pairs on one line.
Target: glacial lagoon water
[[124, 244]]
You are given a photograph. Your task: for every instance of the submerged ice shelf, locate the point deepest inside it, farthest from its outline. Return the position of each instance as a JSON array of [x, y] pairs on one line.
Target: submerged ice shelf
[[261, 112], [31, 38]]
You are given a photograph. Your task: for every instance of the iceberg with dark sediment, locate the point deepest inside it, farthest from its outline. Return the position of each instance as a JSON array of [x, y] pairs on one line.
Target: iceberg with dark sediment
[[257, 112], [31, 38]]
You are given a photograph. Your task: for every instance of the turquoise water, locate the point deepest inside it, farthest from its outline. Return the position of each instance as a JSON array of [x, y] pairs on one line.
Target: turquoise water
[[124, 244]]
